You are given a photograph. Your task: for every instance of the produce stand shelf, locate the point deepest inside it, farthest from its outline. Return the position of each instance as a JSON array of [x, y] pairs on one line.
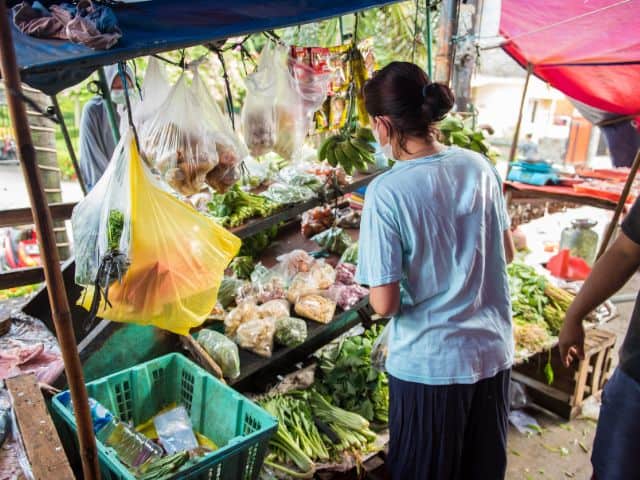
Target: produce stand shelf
[[259, 224], [522, 191]]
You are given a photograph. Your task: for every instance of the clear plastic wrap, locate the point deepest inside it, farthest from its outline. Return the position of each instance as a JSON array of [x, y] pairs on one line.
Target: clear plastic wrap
[[259, 110], [245, 311], [346, 296], [319, 277], [169, 282], [334, 240], [345, 273], [175, 431], [294, 262], [350, 255], [222, 350], [275, 309], [290, 331], [316, 220], [179, 141], [380, 349], [257, 336], [155, 88], [288, 194], [316, 308]]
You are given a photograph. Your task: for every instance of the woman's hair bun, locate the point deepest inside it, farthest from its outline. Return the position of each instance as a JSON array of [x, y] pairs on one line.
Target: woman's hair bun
[[438, 101]]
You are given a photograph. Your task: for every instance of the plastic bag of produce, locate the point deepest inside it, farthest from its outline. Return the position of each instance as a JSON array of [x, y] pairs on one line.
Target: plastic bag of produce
[[245, 311], [316, 308], [346, 273], [259, 109], [275, 309], [316, 220], [229, 289], [350, 255], [257, 336], [288, 194], [291, 121], [222, 350], [178, 142], [290, 331], [176, 257], [292, 263], [155, 88], [334, 240], [380, 349], [229, 148], [346, 296]]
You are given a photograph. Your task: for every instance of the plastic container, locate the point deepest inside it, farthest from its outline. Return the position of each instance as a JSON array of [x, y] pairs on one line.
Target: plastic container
[[239, 427], [580, 239], [132, 448]]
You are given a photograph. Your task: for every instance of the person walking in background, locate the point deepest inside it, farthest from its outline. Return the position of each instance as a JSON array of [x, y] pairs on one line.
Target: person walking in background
[[529, 148], [616, 445], [434, 245], [97, 143]]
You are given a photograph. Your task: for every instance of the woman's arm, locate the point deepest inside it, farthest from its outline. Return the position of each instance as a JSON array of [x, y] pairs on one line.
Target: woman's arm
[[385, 299], [509, 247]]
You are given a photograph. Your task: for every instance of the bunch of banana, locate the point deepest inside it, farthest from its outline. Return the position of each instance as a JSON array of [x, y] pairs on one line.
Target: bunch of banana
[[455, 132], [352, 151]]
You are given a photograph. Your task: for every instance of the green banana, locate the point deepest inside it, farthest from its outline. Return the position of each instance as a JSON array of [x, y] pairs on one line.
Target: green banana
[[365, 134], [331, 156], [343, 159], [326, 145], [365, 149]]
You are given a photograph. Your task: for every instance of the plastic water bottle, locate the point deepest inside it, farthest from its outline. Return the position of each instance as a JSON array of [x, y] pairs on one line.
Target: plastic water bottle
[[132, 448]]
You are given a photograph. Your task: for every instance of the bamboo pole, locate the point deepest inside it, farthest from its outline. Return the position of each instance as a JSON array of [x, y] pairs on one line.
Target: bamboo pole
[[67, 141], [516, 134], [620, 206], [429, 40], [48, 250]]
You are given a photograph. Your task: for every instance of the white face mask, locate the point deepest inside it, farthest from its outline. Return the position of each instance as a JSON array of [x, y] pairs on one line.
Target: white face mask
[[387, 148], [118, 97]]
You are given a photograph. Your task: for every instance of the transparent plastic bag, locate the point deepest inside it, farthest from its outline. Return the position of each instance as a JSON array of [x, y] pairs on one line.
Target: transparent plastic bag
[[288, 194], [290, 331], [229, 148], [257, 336], [259, 110], [245, 311], [177, 256], [312, 86], [316, 308], [179, 141], [274, 309], [291, 121], [380, 349], [155, 89], [222, 350], [334, 240], [175, 431], [101, 223]]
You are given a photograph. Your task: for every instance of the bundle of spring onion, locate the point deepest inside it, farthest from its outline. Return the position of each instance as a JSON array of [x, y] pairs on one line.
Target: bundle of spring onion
[[310, 430]]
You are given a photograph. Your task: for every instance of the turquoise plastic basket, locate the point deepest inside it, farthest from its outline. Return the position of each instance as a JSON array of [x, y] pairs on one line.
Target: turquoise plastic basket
[[237, 425]]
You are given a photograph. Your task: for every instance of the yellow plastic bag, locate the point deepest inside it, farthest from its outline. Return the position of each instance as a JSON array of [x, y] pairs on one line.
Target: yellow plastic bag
[[176, 255]]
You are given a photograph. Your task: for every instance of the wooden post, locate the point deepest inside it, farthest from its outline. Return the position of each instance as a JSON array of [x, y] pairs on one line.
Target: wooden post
[[620, 206], [429, 40], [48, 251], [67, 141], [516, 134], [466, 53], [447, 29], [43, 136]]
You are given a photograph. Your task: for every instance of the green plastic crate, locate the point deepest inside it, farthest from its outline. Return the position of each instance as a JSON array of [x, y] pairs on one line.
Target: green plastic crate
[[238, 426]]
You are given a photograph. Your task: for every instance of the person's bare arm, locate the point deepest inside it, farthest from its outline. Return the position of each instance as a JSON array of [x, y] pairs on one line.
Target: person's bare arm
[[385, 299], [509, 247], [609, 274]]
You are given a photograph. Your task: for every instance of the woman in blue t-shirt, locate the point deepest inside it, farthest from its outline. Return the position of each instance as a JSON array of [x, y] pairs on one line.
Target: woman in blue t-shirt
[[434, 244]]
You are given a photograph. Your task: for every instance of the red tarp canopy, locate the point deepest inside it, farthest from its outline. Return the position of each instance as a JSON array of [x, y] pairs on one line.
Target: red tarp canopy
[[587, 49]]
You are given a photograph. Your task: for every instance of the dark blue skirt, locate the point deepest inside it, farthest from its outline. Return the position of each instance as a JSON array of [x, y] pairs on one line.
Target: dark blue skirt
[[449, 432]]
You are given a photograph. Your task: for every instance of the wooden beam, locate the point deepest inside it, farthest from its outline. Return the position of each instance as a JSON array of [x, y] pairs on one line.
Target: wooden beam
[[21, 277], [39, 437], [23, 216], [48, 250]]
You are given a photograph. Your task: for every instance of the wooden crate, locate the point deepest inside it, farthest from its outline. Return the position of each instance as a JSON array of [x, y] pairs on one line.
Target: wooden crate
[[573, 385]]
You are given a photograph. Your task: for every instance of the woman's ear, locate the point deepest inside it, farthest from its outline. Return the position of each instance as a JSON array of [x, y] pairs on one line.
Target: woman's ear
[[384, 130]]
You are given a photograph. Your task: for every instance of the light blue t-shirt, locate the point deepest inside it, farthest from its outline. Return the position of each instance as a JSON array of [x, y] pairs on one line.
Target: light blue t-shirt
[[436, 224]]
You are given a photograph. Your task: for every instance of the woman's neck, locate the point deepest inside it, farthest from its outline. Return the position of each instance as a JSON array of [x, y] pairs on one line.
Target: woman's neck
[[417, 149]]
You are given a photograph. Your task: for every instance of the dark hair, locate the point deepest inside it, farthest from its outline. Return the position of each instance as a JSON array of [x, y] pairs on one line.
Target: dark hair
[[403, 92]]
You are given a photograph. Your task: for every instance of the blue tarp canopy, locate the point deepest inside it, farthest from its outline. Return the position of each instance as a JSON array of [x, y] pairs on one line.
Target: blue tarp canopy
[[161, 25]]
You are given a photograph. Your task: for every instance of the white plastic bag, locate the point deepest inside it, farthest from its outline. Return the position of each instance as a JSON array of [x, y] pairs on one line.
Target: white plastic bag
[[229, 147], [155, 88], [178, 142], [258, 111], [380, 349]]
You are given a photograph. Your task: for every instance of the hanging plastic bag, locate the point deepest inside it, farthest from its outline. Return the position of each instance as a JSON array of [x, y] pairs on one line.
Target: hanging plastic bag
[[291, 121], [155, 89], [312, 85], [175, 256], [229, 148], [258, 111], [380, 349], [178, 142]]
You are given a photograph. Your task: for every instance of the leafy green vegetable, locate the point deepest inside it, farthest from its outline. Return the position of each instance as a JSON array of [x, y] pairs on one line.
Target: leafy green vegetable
[[242, 267], [115, 227], [235, 207], [290, 331], [349, 379], [334, 240]]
